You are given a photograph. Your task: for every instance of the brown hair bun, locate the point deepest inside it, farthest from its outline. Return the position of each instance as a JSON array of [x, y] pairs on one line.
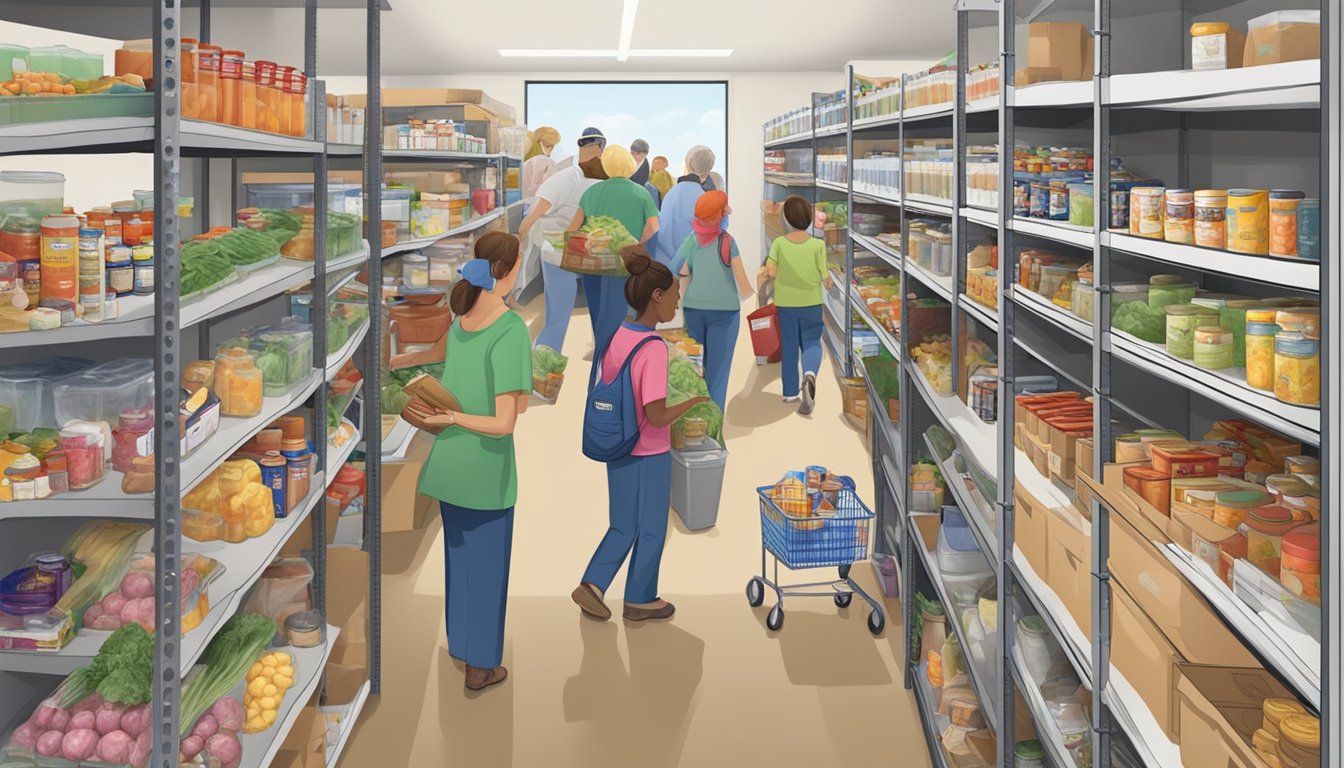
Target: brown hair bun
[[646, 276]]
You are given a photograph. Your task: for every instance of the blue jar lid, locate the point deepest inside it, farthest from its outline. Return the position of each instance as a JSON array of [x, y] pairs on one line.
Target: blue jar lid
[[1294, 344], [1286, 194], [1262, 329]]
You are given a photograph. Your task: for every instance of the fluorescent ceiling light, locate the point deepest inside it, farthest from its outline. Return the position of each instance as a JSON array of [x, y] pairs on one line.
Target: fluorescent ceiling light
[[628, 12], [610, 53]]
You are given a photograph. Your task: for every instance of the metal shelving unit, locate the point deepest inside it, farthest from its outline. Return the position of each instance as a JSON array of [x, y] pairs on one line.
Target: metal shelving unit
[[1123, 375], [164, 322]]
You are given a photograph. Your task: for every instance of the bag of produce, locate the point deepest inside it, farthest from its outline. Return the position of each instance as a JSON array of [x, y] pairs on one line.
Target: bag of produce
[[702, 426], [548, 372], [595, 249], [97, 556], [132, 602]]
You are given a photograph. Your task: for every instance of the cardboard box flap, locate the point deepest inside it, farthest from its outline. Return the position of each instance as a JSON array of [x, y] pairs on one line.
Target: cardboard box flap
[[1220, 709]]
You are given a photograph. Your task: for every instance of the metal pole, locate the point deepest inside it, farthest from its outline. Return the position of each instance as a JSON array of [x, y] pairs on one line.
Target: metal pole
[[958, 224], [373, 345], [907, 418], [166, 690], [203, 179], [1006, 471], [318, 308], [1332, 149], [849, 233], [1101, 387]]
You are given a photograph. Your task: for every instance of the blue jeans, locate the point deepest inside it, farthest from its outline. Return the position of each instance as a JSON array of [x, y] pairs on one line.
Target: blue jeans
[[716, 330], [562, 289], [606, 306], [800, 331], [640, 493], [476, 549]]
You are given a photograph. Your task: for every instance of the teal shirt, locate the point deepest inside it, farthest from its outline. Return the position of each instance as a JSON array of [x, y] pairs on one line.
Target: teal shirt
[[712, 284], [467, 468], [623, 200]]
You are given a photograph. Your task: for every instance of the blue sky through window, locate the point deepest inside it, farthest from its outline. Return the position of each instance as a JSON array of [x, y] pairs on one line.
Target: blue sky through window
[[672, 117]]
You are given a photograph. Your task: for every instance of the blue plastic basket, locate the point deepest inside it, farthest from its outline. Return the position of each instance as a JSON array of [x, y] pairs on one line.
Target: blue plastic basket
[[816, 542]]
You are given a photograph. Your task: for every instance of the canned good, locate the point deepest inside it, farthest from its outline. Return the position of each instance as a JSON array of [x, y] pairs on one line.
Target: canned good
[[1211, 218], [1309, 229], [1297, 369], [1039, 201], [1146, 212], [1283, 221], [1179, 222], [1213, 347], [1248, 221]]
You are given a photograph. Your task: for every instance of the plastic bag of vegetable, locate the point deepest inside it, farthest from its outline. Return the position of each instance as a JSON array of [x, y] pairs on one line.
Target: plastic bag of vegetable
[[548, 372], [684, 382]]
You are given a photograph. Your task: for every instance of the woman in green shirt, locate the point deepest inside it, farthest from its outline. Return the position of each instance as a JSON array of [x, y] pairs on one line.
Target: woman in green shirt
[[797, 262], [471, 468]]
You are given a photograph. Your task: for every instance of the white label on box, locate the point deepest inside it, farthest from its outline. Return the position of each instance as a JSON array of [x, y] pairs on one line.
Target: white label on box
[[761, 324], [1208, 52]]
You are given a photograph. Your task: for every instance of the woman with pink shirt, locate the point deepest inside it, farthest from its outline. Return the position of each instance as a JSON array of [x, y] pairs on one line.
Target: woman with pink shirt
[[639, 486]]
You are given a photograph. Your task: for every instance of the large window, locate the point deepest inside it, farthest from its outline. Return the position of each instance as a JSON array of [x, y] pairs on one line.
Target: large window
[[671, 116]]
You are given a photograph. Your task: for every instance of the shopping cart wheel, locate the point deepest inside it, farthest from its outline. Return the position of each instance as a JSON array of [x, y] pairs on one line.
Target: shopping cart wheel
[[755, 592], [843, 601], [775, 619], [876, 622]]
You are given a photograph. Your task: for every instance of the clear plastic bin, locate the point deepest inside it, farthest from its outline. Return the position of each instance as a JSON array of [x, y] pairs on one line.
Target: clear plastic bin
[[70, 62], [287, 196], [10, 53], [78, 107], [34, 193], [957, 563], [102, 392], [284, 353], [26, 389]]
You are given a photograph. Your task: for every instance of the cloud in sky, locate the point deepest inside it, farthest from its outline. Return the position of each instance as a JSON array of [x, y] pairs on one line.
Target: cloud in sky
[[712, 118]]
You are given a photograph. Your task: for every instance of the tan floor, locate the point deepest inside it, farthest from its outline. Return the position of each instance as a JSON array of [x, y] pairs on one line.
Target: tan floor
[[710, 688]]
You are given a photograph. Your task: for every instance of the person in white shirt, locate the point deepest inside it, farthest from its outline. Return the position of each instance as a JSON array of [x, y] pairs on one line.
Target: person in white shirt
[[538, 165], [555, 207]]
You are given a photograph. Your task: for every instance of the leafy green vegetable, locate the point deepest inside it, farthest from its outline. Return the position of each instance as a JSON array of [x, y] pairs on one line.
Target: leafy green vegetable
[[546, 361], [226, 661], [685, 382], [122, 671], [274, 365], [1139, 320], [620, 236]]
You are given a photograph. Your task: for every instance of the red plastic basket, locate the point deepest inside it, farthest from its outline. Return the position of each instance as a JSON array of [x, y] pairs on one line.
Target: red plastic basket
[[764, 325]]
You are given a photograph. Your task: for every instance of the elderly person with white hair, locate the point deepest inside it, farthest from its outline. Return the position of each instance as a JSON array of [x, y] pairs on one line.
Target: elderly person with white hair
[[677, 220], [629, 203]]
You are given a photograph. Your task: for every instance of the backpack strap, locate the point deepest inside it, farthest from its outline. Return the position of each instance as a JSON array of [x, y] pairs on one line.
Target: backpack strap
[[726, 249], [601, 355]]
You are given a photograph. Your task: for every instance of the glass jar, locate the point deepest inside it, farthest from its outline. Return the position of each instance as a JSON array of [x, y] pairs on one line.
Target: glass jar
[[1300, 564], [132, 425], [1040, 652], [1264, 537], [230, 77], [296, 92], [1232, 316], [1029, 754], [1295, 494], [191, 94], [1076, 730], [1283, 208], [1182, 321], [415, 271], [56, 568], [1306, 467], [1211, 218], [142, 269], [207, 81], [22, 475], [1146, 212], [1165, 290], [1213, 347], [83, 447], [57, 475], [1230, 508], [247, 97], [1297, 369], [268, 97], [1309, 229], [1179, 216], [1302, 320], [1260, 354]]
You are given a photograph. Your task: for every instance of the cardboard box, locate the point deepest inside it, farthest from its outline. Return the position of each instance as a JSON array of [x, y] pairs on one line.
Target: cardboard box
[[1282, 41], [1030, 532], [350, 654], [401, 483], [855, 397], [348, 592], [1034, 75], [343, 684], [1220, 709], [424, 97], [1040, 455], [433, 182], [1082, 456], [1063, 455], [307, 739], [1069, 564], [1142, 655], [1062, 45], [1083, 494], [302, 539], [1169, 601]]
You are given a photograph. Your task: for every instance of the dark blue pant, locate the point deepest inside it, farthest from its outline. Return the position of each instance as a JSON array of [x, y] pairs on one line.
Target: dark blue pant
[[562, 290], [716, 330], [476, 549], [606, 306], [800, 332], [640, 492]]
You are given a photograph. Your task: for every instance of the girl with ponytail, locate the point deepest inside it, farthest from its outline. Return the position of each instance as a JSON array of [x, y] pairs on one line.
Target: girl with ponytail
[[639, 486], [471, 468]]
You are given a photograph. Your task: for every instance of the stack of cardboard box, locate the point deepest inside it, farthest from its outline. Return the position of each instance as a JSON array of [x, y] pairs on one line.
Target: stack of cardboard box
[[1056, 51]]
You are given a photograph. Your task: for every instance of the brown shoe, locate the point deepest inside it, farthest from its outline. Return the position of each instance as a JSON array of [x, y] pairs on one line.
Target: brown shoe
[[480, 679], [589, 599], [658, 609]]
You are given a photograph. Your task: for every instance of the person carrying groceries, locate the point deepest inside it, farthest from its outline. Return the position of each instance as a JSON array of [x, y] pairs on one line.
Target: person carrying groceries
[[556, 204], [639, 485], [714, 282], [471, 468], [797, 263], [630, 204]]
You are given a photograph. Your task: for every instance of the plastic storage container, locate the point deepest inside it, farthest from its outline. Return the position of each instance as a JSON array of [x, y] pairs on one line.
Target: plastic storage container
[[1283, 36], [70, 62], [697, 484], [26, 391], [284, 354], [1182, 322], [10, 53], [31, 193], [102, 392]]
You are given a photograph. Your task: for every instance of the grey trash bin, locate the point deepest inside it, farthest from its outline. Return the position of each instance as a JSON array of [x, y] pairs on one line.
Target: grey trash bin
[[697, 483]]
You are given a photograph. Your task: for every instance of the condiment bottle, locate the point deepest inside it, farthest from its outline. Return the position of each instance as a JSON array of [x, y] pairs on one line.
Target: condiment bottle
[[283, 113], [191, 94], [247, 97], [92, 277], [60, 258], [57, 476], [207, 79], [230, 75], [269, 96], [142, 265], [297, 90], [273, 476]]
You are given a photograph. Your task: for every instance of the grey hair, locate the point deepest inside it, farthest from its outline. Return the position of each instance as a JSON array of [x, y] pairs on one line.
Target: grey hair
[[639, 145], [700, 160]]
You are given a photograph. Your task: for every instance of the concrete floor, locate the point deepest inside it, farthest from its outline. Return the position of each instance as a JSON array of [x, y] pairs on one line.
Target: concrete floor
[[712, 687]]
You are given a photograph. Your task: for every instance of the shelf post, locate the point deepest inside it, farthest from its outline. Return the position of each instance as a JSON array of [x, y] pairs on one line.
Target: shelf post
[[318, 308], [1004, 506], [906, 459], [1102, 723], [1332, 703], [373, 344], [167, 682], [849, 224]]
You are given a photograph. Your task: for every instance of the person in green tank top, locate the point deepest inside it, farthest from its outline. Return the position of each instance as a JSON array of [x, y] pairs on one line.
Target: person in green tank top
[[471, 469], [797, 262]]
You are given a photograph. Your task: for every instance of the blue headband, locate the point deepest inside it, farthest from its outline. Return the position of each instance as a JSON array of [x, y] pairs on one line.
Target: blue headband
[[477, 272]]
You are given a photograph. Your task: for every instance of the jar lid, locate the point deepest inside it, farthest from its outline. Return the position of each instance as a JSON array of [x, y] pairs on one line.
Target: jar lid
[[1302, 462], [1033, 625], [1244, 192], [1262, 329], [303, 621], [1189, 310], [1165, 280], [1180, 191], [414, 257], [24, 462], [1210, 193], [1271, 515], [1248, 499], [1286, 194], [272, 459], [50, 560], [1213, 333], [1310, 202], [1029, 750], [1294, 344], [1141, 191], [1303, 542]]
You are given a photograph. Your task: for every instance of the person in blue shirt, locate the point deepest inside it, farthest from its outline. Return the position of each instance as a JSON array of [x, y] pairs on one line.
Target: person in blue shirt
[[676, 221], [714, 283]]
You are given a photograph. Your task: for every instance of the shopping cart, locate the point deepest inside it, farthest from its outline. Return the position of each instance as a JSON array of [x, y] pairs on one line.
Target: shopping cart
[[803, 541]]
